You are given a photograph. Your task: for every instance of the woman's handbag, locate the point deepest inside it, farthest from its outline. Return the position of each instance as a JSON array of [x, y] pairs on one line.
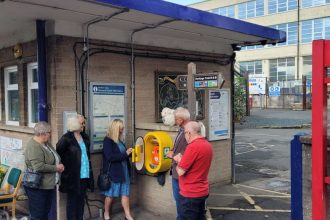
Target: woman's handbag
[[32, 179], [103, 180]]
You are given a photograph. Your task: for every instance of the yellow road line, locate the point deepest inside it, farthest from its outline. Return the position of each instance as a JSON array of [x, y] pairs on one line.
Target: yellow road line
[[252, 195], [208, 214], [249, 210], [265, 190], [248, 198]]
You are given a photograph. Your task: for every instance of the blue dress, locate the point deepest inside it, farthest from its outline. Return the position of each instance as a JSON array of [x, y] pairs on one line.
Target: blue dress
[[120, 189]]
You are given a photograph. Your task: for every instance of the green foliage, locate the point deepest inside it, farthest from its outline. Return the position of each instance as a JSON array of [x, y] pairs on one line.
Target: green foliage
[[239, 99]]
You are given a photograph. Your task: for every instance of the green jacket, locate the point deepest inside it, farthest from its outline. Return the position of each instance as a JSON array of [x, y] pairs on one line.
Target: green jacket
[[43, 161]]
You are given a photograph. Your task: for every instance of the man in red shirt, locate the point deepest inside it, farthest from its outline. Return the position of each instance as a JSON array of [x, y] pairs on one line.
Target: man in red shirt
[[193, 168]]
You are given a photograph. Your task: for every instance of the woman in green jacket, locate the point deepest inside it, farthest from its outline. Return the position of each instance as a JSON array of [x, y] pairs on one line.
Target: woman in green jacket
[[40, 156]]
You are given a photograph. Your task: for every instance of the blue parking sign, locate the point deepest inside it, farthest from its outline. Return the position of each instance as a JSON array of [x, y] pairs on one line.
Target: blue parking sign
[[274, 91]]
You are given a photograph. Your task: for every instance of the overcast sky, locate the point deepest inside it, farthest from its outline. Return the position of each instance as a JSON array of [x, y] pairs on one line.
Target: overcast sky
[[184, 2]]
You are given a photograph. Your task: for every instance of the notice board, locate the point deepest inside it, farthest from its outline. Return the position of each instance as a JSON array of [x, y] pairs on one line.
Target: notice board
[[219, 114], [107, 102]]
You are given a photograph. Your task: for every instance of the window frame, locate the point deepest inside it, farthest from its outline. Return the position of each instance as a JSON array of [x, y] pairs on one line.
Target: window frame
[[279, 65], [10, 87], [31, 85]]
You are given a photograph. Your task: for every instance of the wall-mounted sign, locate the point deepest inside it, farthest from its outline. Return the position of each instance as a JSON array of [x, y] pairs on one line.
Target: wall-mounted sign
[[257, 85], [219, 114], [107, 102], [208, 81], [274, 91]]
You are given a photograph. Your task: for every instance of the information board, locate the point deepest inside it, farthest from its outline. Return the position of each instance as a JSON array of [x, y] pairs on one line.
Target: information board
[[219, 114], [107, 102], [257, 85]]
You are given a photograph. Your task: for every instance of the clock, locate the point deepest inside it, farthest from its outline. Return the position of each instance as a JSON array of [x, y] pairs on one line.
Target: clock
[[18, 51]]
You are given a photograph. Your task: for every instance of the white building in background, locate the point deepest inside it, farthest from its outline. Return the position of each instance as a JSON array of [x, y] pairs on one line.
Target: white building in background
[[302, 20]]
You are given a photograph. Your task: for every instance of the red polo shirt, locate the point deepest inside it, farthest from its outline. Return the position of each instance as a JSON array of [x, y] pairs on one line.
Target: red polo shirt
[[196, 161]]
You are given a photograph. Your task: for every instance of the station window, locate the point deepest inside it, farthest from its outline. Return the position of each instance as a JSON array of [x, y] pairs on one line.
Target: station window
[[11, 96], [282, 69], [315, 29], [32, 69]]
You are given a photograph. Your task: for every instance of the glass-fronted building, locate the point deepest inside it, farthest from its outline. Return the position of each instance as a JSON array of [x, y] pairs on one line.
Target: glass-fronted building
[[302, 20]]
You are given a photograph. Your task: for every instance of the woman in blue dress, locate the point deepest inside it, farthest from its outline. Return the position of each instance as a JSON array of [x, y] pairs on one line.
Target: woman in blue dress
[[116, 154]]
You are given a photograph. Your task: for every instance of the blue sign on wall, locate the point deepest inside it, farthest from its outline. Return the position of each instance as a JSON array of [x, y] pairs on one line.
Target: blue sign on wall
[[274, 91]]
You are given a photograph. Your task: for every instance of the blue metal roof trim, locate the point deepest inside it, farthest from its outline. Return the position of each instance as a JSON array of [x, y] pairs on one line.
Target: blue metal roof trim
[[184, 13]]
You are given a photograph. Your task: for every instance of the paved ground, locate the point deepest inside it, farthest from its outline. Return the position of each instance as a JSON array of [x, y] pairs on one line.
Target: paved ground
[[262, 167], [276, 118]]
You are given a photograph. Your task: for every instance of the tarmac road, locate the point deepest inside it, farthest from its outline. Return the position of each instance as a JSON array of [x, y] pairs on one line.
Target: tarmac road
[[262, 168]]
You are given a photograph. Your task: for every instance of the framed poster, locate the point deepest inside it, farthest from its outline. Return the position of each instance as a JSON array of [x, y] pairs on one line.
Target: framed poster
[[108, 101], [219, 114], [171, 92]]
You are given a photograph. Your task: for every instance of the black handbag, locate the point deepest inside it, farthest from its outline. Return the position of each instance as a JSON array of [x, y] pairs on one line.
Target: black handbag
[[31, 178], [103, 180]]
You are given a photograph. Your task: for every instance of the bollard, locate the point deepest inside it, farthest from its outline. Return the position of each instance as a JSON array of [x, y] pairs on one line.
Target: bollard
[[296, 178]]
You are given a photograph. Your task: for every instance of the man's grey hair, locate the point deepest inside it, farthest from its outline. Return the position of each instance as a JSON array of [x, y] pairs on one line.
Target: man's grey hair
[[182, 113], [41, 127]]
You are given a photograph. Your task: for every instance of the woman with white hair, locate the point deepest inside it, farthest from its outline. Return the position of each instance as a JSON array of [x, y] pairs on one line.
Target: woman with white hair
[[116, 156], [40, 156], [73, 147]]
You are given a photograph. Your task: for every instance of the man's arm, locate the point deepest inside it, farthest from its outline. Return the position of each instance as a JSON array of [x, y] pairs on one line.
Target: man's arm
[[180, 171]]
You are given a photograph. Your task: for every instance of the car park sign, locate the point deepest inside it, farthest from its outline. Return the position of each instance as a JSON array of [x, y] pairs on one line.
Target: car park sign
[[274, 91]]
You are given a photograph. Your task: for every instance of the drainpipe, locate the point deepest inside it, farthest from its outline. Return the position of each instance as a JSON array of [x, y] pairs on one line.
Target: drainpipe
[[232, 85], [42, 75], [86, 48]]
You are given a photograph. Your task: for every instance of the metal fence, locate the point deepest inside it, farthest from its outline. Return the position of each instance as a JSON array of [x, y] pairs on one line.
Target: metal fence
[[291, 95]]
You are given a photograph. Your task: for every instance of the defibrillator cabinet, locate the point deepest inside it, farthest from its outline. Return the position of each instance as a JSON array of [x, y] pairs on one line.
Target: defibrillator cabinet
[[149, 152]]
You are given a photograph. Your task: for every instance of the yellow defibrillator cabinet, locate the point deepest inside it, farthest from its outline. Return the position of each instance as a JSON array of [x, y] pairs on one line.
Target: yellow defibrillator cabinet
[[150, 152]]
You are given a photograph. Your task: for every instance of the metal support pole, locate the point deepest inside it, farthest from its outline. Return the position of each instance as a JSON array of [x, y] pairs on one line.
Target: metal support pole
[[319, 132], [296, 178], [42, 75]]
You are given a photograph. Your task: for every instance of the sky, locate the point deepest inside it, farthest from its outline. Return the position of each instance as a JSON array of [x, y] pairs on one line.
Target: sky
[[184, 2]]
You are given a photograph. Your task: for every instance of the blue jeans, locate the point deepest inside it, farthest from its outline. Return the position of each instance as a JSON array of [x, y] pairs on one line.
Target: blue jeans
[[176, 194], [192, 208], [40, 201]]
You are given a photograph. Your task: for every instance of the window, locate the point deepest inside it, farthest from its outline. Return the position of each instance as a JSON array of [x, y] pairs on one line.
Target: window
[[225, 11], [315, 29], [251, 9], [313, 3], [276, 6], [251, 67], [282, 69], [291, 30], [32, 69], [307, 67], [11, 96]]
